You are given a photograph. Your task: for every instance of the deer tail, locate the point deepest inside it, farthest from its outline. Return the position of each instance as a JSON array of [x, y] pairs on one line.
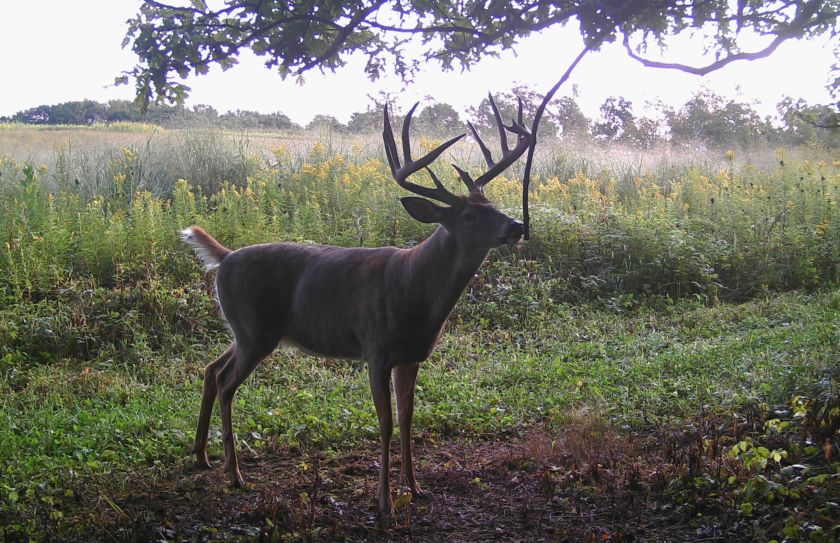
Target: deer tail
[[208, 250]]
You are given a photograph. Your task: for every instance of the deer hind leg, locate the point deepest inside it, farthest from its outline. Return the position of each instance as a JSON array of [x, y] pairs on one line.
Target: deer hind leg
[[207, 399], [228, 379], [405, 379], [380, 386]]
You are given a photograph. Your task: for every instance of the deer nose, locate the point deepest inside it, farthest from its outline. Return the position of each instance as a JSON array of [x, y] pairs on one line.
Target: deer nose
[[514, 232]]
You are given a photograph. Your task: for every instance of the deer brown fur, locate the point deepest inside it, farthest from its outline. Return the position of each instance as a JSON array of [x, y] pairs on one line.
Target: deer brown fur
[[386, 306]]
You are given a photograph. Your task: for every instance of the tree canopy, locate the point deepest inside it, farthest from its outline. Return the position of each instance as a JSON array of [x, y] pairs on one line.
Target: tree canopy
[[173, 41]]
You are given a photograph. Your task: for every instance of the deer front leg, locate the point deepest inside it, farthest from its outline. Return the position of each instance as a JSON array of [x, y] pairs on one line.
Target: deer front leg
[[380, 386], [405, 380], [207, 399]]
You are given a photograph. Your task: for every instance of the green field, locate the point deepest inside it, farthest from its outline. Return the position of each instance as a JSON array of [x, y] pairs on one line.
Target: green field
[[659, 292]]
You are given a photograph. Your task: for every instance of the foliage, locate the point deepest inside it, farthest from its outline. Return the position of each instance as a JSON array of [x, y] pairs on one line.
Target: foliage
[[775, 470], [297, 37], [720, 234], [807, 122], [618, 118], [710, 118]]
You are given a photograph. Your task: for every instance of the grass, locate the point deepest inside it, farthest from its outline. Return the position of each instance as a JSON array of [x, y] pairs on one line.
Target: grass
[[67, 423], [650, 295]]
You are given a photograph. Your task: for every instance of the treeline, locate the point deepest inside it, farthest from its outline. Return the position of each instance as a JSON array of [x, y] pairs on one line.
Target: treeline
[[90, 112], [707, 118]]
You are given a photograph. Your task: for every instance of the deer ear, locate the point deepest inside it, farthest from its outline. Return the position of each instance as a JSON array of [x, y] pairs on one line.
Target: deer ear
[[423, 210]]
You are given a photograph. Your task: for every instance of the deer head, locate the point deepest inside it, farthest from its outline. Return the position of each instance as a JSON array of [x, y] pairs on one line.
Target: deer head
[[471, 219]]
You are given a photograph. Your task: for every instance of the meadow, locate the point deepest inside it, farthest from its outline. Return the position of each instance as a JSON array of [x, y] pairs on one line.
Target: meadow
[[679, 304]]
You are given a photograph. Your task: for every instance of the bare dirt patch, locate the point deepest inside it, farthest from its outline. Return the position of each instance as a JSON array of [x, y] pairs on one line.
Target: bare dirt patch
[[586, 483]]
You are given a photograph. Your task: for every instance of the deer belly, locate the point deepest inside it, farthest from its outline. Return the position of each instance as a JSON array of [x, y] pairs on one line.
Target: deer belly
[[415, 348], [324, 350]]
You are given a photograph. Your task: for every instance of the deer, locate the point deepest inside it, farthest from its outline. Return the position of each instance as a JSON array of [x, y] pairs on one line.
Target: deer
[[386, 306]]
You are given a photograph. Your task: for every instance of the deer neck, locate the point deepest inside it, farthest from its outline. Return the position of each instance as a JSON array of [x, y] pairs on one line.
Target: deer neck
[[444, 268]]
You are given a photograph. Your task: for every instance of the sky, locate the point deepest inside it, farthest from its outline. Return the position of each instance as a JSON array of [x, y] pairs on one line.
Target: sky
[[54, 51]]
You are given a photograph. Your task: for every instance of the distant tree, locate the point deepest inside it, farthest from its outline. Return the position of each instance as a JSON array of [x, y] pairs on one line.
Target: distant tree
[[716, 120], [439, 118], [277, 121], [368, 121], [88, 112], [35, 115], [804, 123], [75, 112], [567, 115], [617, 118], [123, 110], [243, 119], [644, 132], [326, 122], [205, 113], [166, 115]]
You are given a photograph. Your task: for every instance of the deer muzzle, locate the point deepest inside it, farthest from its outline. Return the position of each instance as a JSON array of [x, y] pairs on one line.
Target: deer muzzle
[[512, 233]]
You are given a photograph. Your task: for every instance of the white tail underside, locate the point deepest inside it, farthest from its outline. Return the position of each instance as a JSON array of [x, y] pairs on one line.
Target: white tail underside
[[202, 252]]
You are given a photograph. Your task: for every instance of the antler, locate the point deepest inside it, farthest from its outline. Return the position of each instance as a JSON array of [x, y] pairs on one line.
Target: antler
[[401, 173], [509, 155]]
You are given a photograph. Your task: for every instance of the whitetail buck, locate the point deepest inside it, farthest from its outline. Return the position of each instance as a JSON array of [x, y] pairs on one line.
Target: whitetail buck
[[386, 306]]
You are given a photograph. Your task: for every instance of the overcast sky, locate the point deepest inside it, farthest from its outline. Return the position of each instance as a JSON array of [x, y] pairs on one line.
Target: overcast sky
[[56, 50]]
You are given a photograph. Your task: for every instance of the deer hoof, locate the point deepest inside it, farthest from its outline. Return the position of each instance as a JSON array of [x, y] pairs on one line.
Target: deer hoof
[[201, 461], [417, 492], [414, 487], [236, 480], [386, 509]]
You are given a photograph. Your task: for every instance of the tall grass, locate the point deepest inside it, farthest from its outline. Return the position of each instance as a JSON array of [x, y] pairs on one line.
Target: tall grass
[[679, 229], [613, 237]]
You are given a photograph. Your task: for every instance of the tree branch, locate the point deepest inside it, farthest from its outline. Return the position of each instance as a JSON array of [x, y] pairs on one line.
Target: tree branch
[[801, 22], [426, 29], [160, 5], [343, 34], [718, 64], [832, 122], [529, 161], [621, 15]]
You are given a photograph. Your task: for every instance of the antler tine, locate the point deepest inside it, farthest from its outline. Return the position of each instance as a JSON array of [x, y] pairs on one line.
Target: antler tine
[[390, 144], [488, 157], [402, 172], [484, 150], [465, 177], [437, 182], [502, 135], [406, 142], [523, 141], [509, 155]]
